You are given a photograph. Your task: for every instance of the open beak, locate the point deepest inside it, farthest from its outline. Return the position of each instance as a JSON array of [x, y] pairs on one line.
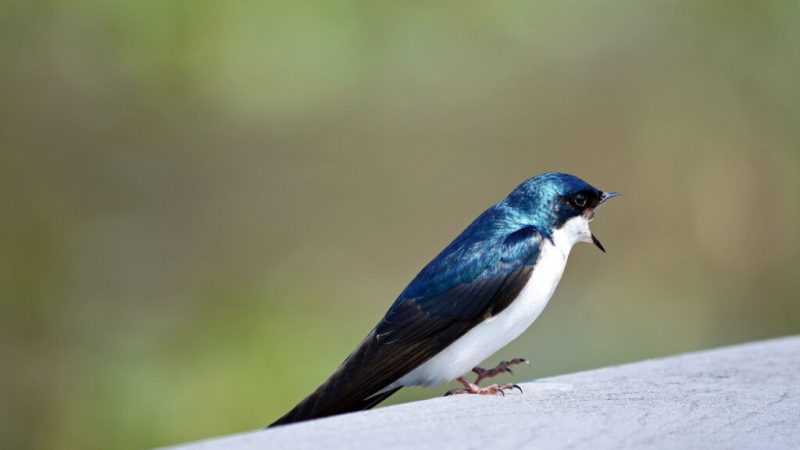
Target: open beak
[[603, 198], [597, 243]]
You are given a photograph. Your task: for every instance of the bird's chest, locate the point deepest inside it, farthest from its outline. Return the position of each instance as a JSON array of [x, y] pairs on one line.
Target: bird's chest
[[530, 302], [494, 333]]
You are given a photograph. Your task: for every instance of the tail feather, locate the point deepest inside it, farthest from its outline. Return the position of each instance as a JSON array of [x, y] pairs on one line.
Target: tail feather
[[358, 383], [314, 407], [352, 387]]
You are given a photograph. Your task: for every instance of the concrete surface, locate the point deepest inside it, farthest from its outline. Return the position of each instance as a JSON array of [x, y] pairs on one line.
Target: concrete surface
[[745, 396]]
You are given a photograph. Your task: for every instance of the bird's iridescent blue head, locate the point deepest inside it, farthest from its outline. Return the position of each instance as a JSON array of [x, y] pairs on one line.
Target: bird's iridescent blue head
[[556, 202]]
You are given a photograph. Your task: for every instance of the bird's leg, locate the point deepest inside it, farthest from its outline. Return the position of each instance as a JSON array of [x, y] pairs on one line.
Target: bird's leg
[[503, 367], [472, 388]]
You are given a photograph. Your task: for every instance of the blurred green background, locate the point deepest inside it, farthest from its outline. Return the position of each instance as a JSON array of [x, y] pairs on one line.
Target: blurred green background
[[206, 205]]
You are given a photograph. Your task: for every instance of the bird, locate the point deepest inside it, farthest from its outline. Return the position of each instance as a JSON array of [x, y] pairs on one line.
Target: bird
[[477, 295]]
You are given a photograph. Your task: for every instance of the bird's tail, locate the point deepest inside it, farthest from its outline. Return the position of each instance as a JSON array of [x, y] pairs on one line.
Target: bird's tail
[[355, 386], [324, 402]]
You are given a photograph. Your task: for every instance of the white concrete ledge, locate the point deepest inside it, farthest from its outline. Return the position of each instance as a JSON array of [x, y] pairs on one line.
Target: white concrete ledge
[[745, 396]]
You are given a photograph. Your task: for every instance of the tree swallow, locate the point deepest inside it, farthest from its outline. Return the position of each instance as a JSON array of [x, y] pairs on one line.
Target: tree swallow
[[480, 293]]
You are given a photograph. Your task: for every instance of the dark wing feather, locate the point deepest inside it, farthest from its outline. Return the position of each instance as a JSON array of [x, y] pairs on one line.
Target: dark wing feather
[[417, 328]]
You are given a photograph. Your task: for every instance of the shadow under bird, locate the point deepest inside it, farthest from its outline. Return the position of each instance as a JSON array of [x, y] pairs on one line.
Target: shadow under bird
[[480, 293]]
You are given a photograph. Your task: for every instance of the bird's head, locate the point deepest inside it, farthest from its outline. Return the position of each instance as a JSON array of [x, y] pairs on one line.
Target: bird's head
[[560, 205]]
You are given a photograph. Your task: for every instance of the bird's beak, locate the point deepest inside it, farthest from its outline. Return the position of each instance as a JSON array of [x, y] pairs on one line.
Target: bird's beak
[[603, 198], [597, 243], [606, 196]]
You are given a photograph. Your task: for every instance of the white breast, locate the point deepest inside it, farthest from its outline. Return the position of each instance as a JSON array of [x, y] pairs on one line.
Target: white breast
[[496, 332]]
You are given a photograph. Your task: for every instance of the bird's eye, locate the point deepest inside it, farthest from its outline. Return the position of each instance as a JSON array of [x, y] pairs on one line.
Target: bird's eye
[[579, 200]]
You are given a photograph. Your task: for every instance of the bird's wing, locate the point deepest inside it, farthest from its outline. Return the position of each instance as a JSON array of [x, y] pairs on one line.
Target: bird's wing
[[463, 286]]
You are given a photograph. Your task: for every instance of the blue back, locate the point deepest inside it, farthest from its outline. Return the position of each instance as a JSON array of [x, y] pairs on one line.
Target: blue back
[[504, 237]]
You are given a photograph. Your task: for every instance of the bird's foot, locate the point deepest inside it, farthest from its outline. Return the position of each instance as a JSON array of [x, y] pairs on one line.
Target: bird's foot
[[503, 367], [472, 388]]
